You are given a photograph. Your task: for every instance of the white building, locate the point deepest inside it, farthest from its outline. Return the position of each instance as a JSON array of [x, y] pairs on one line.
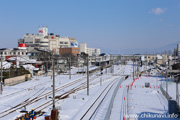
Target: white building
[[46, 41], [6, 52], [89, 51], [178, 50]]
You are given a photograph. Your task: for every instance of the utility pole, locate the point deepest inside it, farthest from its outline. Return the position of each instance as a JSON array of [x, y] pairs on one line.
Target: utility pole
[[1, 76], [133, 67], [53, 85], [70, 67], [177, 92], [87, 74], [166, 85], [113, 64], [146, 61], [137, 68]]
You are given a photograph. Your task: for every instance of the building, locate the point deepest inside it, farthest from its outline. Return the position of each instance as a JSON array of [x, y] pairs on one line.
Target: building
[[89, 51], [65, 42], [69, 51], [150, 58], [14, 52], [45, 41], [159, 59], [178, 50]]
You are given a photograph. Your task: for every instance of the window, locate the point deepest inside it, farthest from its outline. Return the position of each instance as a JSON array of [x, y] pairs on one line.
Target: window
[[28, 42], [18, 53], [5, 53], [22, 53], [65, 42], [44, 42], [44, 46], [46, 37], [14, 53], [37, 40], [61, 42]]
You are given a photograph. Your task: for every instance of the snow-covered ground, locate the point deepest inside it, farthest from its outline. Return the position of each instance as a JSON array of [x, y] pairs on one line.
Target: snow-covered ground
[[140, 99], [146, 100], [171, 88], [14, 95]]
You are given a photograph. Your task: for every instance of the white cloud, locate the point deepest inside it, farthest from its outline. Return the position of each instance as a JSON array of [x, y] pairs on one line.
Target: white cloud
[[157, 11]]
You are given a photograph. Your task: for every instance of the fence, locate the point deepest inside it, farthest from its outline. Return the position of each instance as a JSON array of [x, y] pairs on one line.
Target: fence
[[16, 80], [167, 96], [164, 93]]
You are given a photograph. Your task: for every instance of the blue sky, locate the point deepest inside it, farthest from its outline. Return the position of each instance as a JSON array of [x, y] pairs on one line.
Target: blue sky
[[112, 25]]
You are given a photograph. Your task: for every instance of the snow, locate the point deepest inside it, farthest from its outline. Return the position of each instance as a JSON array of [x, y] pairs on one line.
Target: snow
[[171, 88], [140, 100], [22, 59], [29, 67], [5, 65]]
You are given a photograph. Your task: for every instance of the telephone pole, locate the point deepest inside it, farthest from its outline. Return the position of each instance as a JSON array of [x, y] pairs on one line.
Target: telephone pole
[[133, 67], [166, 85], [53, 85], [70, 67], [87, 74], [1, 76]]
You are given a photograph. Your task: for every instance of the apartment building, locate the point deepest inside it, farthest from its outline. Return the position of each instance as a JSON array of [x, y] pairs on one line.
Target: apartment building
[[89, 51], [45, 41]]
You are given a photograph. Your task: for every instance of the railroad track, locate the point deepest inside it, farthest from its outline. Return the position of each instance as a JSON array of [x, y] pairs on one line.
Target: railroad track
[[32, 99], [120, 71], [13, 109], [92, 109], [66, 94], [59, 97], [24, 90], [40, 96]]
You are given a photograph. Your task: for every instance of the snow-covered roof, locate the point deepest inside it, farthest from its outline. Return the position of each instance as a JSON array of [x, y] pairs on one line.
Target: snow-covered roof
[[159, 57], [5, 65], [25, 60], [30, 67]]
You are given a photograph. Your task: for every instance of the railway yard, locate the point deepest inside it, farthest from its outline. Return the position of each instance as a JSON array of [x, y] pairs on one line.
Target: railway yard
[[111, 96]]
